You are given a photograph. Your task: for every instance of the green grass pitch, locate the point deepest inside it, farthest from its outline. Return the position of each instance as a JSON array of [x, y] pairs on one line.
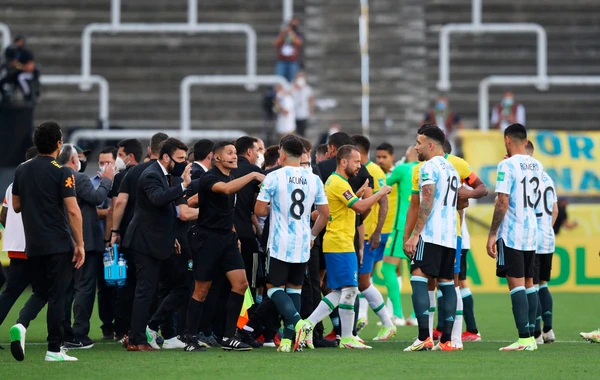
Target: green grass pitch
[[569, 358]]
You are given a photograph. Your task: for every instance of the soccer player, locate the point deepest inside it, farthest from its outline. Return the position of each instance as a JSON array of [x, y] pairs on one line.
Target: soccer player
[[546, 212], [291, 192], [432, 246], [338, 246], [512, 240], [401, 179], [374, 246], [471, 333]]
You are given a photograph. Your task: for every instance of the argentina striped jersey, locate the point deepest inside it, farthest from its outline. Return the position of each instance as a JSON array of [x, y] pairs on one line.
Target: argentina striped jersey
[[545, 205]]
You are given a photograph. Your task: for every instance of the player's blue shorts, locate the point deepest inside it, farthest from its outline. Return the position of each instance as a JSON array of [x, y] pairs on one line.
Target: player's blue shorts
[[342, 269], [371, 257], [458, 255]]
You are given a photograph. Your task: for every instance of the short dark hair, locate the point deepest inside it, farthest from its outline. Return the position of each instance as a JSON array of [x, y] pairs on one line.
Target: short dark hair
[[362, 143], [447, 147], [271, 156], [516, 131], [292, 145], [306, 144], [110, 150], [344, 152], [132, 146], [530, 146], [46, 137], [170, 145], [433, 132], [156, 140], [31, 152], [218, 148], [202, 149], [339, 139], [65, 154], [244, 143], [322, 149], [387, 147]]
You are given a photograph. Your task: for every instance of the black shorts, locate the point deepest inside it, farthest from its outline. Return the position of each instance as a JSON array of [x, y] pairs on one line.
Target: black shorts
[[281, 273], [434, 260], [511, 262], [542, 268], [462, 275], [214, 253]]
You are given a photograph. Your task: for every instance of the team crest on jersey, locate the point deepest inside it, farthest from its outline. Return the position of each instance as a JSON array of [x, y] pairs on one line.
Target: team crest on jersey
[[348, 195], [425, 176], [190, 264], [381, 182], [500, 177]]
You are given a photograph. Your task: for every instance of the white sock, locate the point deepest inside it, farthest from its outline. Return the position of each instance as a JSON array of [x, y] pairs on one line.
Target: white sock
[[457, 327], [375, 300], [346, 308], [363, 312], [400, 283], [248, 328], [389, 306], [432, 303], [326, 306]]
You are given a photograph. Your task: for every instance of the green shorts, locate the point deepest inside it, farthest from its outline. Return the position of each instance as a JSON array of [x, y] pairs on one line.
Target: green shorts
[[394, 245]]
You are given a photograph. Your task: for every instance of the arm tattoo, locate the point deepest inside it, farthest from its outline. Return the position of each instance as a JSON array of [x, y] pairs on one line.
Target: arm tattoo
[[427, 193], [500, 207]]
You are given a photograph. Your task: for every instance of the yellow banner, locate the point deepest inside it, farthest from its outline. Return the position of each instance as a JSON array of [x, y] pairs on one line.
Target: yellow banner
[[570, 158]]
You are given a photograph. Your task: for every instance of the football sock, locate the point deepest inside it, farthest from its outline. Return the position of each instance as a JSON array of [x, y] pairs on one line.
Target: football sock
[[356, 311], [449, 306], [346, 306], [546, 300], [364, 306], [194, 313], [296, 297], [432, 303], [234, 305], [457, 327], [469, 310], [392, 284], [537, 331], [375, 300], [286, 308], [532, 301], [326, 307], [440, 310], [520, 309], [421, 305], [335, 320]]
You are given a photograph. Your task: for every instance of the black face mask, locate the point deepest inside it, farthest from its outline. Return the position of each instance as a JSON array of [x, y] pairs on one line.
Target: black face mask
[[83, 166], [178, 167]]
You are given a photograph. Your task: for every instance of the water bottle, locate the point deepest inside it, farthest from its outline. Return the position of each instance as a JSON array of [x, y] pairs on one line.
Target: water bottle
[[122, 271], [122, 261], [106, 259]]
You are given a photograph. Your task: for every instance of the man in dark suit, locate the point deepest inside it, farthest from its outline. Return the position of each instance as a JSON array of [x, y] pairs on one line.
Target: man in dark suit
[[81, 294], [202, 156], [151, 236]]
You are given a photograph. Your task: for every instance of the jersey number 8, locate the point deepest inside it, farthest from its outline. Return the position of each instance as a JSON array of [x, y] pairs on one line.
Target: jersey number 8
[[297, 207]]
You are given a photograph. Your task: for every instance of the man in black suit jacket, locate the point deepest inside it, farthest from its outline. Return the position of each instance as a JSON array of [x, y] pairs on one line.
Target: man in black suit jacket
[[202, 156], [151, 236]]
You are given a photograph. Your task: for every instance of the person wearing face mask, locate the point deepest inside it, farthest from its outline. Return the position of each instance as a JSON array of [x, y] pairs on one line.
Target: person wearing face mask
[[442, 116], [151, 235], [82, 155], [304, 103], [81, 293], [261, 153], [507, 112]]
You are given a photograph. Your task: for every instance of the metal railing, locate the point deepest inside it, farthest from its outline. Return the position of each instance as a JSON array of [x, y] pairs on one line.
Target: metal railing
[[552, 80], [5, 30], [118, 134], [476, 26], [363, 37], [217, 80], [103, 91]]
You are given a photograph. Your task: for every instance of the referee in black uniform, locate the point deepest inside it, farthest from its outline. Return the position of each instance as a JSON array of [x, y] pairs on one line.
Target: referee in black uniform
[[215, 245], [44, 192]]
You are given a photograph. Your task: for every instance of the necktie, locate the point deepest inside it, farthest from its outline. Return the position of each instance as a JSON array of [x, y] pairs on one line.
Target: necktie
[[170, 180]]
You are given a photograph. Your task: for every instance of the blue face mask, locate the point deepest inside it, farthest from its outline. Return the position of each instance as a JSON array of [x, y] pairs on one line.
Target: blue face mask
[[440, 106], [507, 102]]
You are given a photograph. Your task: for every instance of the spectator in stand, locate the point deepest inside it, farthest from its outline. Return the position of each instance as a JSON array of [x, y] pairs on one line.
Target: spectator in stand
[[507, 112], [21, 83], [13, 52], [304, 102], [284, 107], [321, 153], [288, 45], [442, 116], [562, 220]]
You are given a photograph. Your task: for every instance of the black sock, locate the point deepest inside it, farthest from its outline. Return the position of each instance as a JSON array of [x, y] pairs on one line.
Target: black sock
[[440, 311], [296, 297], [469, 311], [194, 313], [449, 309], [356, 312], [286, 308], [546, 301], [420, 299], [520, 309], [532, 301], [335, 321], [234, 306], [537, 331]]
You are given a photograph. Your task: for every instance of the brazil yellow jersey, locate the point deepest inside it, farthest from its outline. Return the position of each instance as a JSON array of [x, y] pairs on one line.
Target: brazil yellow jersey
[[392, 205], [465, 172], [339, 236], [378, 181]]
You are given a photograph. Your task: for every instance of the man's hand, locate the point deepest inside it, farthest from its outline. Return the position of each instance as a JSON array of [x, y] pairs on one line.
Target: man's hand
[[375, 240], [177, 247], [239, 244], [385, 189], [115, 238], [187, 175], [362, 189], [259, 176], [78, 256], [411, 246], [462, 203], [491, 246], [109, 172]]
